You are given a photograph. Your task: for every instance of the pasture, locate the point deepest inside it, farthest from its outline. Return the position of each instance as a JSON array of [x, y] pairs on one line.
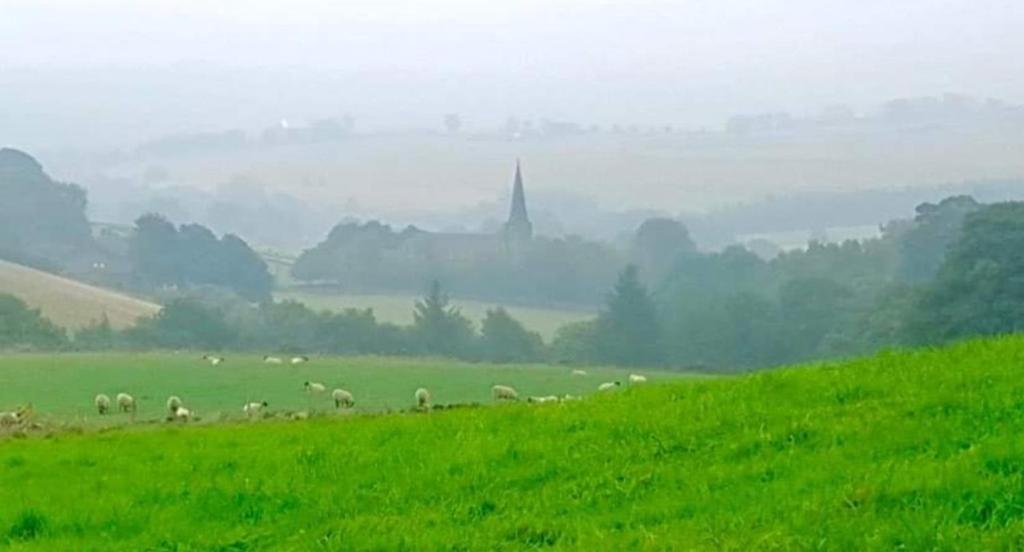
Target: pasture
[[69, 303], [397, 309], [62, 387], [916, 450]]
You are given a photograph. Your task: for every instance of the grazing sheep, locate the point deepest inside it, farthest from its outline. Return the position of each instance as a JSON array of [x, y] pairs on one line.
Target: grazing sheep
[[422, 398], [314, 388], [579, 372], [300, 359], [608, 385], [637, 378], [343, 398], [542, 400], [126, 402], [173, 404], [182, 414], [504, 393], [214, 360], [272, 360], [102, 403], [254, 409], [9, 419]]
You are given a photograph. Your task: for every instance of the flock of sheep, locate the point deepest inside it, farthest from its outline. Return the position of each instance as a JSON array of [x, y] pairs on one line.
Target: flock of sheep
[[343, 398]]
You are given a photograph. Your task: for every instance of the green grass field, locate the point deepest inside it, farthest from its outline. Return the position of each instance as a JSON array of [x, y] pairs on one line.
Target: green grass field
[[397, 309], [61, 388], [919, 450]]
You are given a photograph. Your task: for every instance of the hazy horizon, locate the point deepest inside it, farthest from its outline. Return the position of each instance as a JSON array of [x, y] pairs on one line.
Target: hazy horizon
[[117, 72]]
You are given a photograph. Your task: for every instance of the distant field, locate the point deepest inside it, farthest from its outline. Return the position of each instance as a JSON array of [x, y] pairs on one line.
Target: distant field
[[397, 309], [917, 450], [62, 387], [69, 303]]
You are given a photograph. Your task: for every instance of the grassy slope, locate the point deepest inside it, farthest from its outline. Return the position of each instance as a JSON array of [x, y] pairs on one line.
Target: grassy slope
[[917, 450], [398, 308], [69, 303], [62, 387]]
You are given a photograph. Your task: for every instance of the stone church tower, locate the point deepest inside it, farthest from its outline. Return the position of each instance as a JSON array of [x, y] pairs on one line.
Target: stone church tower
[[518, 230]]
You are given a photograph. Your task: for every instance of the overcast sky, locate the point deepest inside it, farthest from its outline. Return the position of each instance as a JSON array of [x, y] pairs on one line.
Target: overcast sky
[[689, 63]]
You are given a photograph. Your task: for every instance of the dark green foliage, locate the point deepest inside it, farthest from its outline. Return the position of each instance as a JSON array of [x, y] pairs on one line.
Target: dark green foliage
[[39, 218], [923, 247], [574, 343], [439, 327], [658, 246], [980, 287], [184, 324], [22, 327], [504, 339], [192, 255], [372, 256], [628, 329], [99, 336]]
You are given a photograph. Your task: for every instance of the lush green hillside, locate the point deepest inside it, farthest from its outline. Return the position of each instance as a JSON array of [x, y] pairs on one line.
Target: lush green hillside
[[69, 303], [61, 388], [912, 451], [397, 309]]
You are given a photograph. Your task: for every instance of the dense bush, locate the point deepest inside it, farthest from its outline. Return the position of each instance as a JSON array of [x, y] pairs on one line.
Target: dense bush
[[25, 328]]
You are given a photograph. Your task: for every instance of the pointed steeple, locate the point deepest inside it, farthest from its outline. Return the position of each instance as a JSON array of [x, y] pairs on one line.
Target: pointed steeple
[[518, 211], [518, 229]]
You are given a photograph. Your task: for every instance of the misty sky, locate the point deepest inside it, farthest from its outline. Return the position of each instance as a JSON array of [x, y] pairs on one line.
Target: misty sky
[[186, 64]]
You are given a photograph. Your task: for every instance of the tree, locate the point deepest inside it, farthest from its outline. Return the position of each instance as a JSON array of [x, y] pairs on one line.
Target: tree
[[184, 324], [192, 255], [628, 329], [155, 251], [21, 326], [243, 270], [504, 339], [439, 327], [39, 217], [575, 343], [924, 245], [658, 244], [980, 287]]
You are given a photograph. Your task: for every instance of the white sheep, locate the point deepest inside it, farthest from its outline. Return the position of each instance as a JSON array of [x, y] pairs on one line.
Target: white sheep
[[254, 409], [608, 385], [579, 372], [314, 388], [182, 414], [272, 360], [343, 398], [9, 419], [542, 400], [300, 359], [173, 404], [504, 393], [214, 360], [126, 403], [422, 398], [102, 403], [637, 378]]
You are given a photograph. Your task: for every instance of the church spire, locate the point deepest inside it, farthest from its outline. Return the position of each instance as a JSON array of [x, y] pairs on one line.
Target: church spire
[[518, 211], [518, 229]]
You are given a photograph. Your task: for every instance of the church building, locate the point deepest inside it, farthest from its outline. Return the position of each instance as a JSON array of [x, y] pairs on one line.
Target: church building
[[508, 243]]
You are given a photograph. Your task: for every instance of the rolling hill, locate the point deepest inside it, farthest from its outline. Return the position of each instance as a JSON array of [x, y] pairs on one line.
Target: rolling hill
[[70, 303], [916, 450]]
